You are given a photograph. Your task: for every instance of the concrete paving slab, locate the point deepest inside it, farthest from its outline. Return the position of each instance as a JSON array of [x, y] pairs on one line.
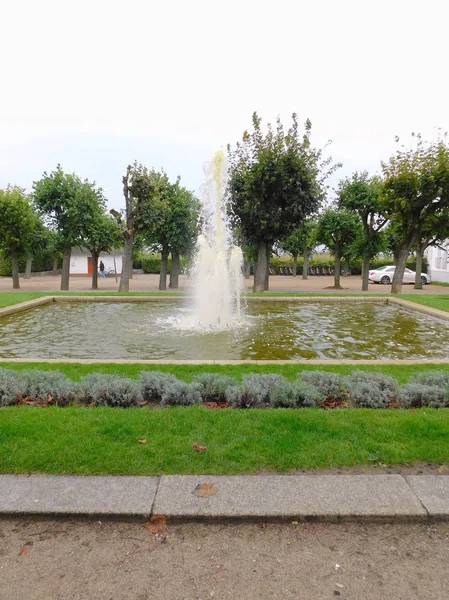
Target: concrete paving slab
[[433, 492], [302, 497], [72, 495]]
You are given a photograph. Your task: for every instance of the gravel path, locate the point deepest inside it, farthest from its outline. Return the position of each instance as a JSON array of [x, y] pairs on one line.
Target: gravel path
[[76, 560]]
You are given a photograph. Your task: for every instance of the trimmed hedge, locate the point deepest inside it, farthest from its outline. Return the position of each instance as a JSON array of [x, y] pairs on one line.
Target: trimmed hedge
[[311, 388], [40, 263], [151, 263], [327, 262]]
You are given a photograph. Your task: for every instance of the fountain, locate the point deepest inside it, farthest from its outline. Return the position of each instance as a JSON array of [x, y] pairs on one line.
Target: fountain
[[217, 270]]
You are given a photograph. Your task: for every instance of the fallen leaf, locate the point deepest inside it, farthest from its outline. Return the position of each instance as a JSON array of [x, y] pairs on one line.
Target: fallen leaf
[[204, 490], [25, 549], [443, 469], [199, 447], [157, 524], [141, 441], [216, 405]]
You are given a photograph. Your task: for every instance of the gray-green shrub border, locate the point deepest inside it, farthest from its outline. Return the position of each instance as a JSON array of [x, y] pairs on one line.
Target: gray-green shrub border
[[154, 388]]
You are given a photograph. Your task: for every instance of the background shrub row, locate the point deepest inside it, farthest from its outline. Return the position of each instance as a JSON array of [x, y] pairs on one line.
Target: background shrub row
[[311, 388], [151, 263]]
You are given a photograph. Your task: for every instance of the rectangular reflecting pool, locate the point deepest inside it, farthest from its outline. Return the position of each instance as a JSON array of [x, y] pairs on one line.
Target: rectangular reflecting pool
[[268, 331]]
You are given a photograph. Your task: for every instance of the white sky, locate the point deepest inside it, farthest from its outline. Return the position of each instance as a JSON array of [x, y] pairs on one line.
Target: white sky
[[94, 85]]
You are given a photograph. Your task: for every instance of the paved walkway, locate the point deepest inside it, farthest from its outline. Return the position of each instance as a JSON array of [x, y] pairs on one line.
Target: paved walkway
[[149, 283], [196, 497]]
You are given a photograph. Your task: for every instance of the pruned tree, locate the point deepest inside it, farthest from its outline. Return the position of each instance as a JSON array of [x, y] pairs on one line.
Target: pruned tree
[[416, 187], [301, 241], [70, 205], [168, 220], [363, 195], [276, 180], [184, 210], [337, 229], [17, 224], [102, 235]]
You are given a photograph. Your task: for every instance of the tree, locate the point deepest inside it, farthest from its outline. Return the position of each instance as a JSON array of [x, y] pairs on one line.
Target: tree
[[168, 219], [102, 235], [140, 186], [363, 195], [70, 205], [17, 224], [276, 181], [416, 187], [337, 229], [301, 241], [183, 226]]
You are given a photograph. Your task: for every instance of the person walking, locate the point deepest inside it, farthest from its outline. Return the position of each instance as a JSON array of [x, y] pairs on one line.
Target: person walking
[[102, 269]]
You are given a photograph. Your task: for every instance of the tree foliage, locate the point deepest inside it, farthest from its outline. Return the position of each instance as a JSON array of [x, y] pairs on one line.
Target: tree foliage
[[102, 235], [363, 195], [70, 206], [167, 218], [276, 181], [338, 230], [301, 241], [416, 188], [17, 226]]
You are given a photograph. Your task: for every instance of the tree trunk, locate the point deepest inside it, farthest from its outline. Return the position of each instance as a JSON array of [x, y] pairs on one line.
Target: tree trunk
[[28, 267], [305, 268], [54, 270], [125, 275], [295, 264], [15, 270], [95, 270], [163, 273], [337, 268], [174, 271], [267, 272], [400, 260], [131, 264], [419, 255], [127, 261], [260, 272], [246, 268], [365, 274], [67, 252]]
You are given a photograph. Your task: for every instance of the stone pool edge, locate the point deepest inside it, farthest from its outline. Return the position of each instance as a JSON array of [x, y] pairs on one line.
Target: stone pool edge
[[407, 304]]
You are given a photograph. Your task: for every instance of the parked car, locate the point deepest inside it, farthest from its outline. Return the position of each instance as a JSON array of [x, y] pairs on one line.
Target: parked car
[[385, 275]]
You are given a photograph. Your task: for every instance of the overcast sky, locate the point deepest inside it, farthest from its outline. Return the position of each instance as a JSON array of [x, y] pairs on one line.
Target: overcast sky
[[95, 84]]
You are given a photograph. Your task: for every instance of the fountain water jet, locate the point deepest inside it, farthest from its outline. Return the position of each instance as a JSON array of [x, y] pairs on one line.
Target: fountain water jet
[[217, 272]]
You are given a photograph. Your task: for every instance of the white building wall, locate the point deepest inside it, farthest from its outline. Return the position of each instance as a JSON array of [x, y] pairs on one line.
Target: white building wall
[[438, 262], [79, 264]]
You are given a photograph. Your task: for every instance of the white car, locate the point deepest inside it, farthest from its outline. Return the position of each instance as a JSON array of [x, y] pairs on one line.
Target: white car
[[385, 275]]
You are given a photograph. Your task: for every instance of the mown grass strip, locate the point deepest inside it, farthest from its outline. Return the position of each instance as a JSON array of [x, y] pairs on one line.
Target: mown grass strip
[[75, 371], [434, 300], [439, 301], [105, 440]]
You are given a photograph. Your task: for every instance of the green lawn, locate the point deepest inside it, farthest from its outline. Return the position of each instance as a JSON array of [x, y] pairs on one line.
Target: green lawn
[[434, 301], [9, 298], [105, 440], [185, 371]]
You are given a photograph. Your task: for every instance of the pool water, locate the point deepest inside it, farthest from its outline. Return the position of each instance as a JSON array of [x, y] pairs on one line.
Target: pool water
[[268, 331]]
